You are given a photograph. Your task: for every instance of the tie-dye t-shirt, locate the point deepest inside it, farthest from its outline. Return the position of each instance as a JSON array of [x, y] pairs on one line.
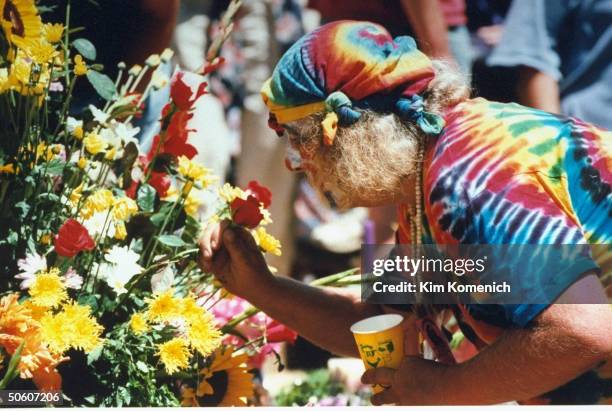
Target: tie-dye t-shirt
[[508, 174]]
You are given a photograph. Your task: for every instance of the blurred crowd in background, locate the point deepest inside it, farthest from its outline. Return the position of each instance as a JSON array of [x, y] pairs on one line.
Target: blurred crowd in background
[[555, 55]]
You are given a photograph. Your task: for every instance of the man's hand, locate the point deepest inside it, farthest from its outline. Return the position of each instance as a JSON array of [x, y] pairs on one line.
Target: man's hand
[[413, 383], [231, 254]]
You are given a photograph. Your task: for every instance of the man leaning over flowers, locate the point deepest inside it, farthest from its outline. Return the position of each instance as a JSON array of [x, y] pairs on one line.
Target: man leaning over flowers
[[372, 121]]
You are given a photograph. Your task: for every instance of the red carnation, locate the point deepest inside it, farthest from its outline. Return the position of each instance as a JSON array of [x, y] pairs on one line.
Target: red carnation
[[260, 192], [72, 238], [246, 212], [277, 332]]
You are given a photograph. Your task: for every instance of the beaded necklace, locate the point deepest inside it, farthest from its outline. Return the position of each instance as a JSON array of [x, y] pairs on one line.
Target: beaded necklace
[[416, 217]]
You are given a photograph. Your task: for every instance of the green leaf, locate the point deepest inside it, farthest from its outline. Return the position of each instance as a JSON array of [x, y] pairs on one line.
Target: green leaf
[[94, 355], [102, 84], [146, 198], [55, 167], [11, 371], [86, 48], [142, 366], [171, 240]]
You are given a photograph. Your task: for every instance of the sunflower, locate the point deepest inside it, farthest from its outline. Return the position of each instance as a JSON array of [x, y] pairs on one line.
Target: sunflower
[[20, 20], [225, 382]]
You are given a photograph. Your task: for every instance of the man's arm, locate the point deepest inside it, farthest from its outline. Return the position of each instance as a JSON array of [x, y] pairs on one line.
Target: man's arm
[[321, 315], [427, 21], [538, 89], [564, 341]]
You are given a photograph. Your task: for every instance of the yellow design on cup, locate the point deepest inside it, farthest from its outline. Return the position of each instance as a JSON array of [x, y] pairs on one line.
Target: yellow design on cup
[[380, 340]]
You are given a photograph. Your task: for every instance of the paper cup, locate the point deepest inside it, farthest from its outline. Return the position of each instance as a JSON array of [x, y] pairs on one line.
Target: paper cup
[[380, 340]]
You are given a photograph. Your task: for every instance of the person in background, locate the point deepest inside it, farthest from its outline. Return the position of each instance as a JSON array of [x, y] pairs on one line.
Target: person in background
[[439, 26], [486, 26], [564, 51]]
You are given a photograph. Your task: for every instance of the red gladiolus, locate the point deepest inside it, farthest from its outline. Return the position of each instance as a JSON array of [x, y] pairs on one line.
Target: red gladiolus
[[261, 193], [72, 238], [246, 212], [181, 93], [277, 332], [160, 182]]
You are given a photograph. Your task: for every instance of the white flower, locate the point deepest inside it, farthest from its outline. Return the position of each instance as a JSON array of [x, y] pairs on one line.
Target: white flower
[[120, 266], [96, 224], [99, 115], [30, 266], [72, 279], [125, 131], [72, 123]]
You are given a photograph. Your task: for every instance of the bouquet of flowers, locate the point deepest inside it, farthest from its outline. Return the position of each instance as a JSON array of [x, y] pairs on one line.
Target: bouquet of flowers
[[102, 297]]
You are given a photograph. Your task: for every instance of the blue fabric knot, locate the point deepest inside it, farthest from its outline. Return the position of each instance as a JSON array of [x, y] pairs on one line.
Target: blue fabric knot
[[341, 104], [411, 108]]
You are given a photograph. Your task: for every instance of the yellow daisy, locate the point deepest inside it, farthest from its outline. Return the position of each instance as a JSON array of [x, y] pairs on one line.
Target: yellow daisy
[[48, 289], [194, 171], [266, 241], [174, 355], [53, 32], [229, 193], [83, 330]]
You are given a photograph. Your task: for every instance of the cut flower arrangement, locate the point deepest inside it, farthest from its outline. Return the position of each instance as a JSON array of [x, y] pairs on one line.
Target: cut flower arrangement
[[102, 298]]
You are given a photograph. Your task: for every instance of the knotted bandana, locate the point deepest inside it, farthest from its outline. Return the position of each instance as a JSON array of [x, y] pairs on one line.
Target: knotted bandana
[[349, 65]]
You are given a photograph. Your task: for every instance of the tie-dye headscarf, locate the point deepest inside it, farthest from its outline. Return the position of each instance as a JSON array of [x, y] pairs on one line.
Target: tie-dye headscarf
[[349, 65]]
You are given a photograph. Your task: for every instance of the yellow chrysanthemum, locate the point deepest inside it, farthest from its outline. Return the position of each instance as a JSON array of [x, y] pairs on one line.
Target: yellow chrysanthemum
[[80, 67], [53, 333], [229, 193], [138, 323], [94, 144], [174, 355], [266, 241], [194, 172], [203, 336], [73, 327], [48, 289], [83, 330], [20, 20], [53, 32], [226, 382], [124, 208], [101, 200], [163, 306]]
